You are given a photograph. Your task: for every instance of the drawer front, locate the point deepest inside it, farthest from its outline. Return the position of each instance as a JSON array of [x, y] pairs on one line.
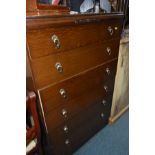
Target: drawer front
[[57, 67], [76, 103], [48, 41], [72, 134], [80, 89]]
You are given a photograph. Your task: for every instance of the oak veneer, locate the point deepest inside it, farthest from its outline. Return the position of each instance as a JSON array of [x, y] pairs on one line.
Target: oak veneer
[[45, 72], [77, 36], [79, 128], [82, 54], [85, 83]]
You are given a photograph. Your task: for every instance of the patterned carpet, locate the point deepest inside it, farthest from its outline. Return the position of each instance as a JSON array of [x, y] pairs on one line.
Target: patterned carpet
[[112, 140]]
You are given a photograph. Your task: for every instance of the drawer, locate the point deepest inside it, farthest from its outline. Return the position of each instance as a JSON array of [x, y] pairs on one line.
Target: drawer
[[66, 110], [57, 67], [81, 127], [80, 89], [44, 42]]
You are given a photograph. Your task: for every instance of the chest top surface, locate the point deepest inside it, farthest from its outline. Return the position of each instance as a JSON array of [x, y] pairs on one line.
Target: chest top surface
[[45, 21]]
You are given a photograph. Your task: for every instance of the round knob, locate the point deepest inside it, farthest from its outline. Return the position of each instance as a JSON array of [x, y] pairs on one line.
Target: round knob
[[67, 142], [56, 41], [108, 71], [110, 30], [102, 115], [63, 93], [104, 102], [58, 67], [108, 50], [116, 28], [64, 112], [106, 88], [65, 128]]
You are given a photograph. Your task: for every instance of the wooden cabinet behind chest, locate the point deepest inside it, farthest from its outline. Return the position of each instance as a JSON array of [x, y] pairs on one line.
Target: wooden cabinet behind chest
[[73, 62]]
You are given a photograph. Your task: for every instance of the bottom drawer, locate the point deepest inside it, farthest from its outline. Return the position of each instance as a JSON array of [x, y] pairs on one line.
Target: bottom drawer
[[77, 130]]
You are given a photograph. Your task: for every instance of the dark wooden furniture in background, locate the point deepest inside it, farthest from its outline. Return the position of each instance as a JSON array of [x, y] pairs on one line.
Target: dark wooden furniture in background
[[73, 61], [32, 124], [35, 8], [121, 6]]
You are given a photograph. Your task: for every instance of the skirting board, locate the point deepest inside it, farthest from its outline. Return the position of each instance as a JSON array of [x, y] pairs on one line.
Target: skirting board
[[113, 119]]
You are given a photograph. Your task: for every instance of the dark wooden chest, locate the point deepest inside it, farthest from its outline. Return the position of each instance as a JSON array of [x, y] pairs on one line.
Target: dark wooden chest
[[73, 60]]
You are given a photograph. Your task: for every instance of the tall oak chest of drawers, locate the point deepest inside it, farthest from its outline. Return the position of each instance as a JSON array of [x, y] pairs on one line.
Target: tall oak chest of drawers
[[73, 61]]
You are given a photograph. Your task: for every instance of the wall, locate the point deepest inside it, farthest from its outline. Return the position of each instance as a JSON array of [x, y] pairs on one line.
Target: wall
[[121, 90]]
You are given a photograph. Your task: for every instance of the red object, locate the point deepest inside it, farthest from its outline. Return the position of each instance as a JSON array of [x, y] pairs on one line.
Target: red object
[[55, 2], [33, 132]]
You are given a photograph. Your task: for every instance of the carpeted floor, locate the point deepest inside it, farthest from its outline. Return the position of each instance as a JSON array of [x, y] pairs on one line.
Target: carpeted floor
[[112, 140]]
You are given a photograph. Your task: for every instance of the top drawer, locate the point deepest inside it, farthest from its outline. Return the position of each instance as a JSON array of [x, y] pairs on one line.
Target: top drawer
[[59, 39]]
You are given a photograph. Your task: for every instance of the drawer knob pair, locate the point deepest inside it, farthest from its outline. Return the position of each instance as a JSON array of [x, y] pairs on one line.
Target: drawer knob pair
[[56, 41], [110, 30]]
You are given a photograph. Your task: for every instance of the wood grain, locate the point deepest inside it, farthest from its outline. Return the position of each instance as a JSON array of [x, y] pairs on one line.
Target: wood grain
[[46, 20], [73, 62], [86, 85], [121, 90], [77, 36], [79, 128], [82, 54]]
